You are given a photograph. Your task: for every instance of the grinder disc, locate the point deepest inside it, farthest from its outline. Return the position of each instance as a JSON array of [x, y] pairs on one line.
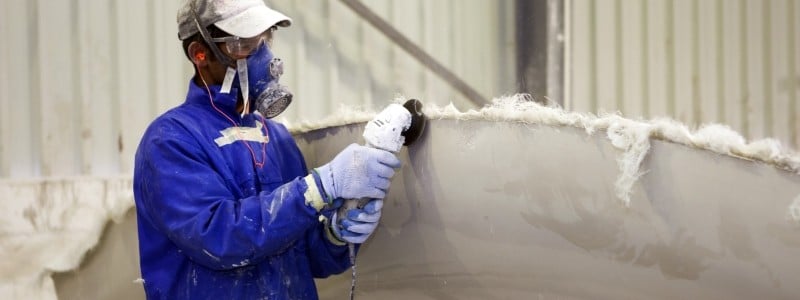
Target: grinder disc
[[418, 121]]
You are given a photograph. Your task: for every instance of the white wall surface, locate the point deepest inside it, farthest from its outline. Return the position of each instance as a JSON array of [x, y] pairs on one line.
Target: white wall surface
[[81, 79], [337, 58], [735, 62]]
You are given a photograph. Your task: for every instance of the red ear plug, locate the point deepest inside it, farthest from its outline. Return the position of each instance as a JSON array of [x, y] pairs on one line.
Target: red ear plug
[[200, 56]]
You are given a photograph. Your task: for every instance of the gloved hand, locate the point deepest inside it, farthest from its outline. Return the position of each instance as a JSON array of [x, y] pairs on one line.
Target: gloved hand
[[359, 223], [358, 172]]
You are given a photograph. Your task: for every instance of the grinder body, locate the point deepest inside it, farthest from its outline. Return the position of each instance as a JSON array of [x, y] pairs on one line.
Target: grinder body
[[382, 132], [395, 126]]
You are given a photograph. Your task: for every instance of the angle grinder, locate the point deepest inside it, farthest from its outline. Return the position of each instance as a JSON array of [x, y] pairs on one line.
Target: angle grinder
[[396, 126]]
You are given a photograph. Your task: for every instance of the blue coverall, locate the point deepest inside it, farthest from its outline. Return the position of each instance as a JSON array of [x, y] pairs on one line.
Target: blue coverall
[[214, 225]]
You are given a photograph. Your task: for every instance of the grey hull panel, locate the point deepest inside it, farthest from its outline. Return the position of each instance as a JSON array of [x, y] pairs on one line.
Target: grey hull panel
[[110, 270], [503, 210], [497, 210]]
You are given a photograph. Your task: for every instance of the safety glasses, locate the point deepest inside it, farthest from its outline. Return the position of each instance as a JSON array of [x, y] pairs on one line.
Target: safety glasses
[[242, 47]]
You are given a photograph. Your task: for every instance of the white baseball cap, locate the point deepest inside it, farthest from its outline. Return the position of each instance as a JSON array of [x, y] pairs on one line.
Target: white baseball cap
[[242, 18]]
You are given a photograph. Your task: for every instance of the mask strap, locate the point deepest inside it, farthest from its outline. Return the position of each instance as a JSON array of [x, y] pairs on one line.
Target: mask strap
[[244, 83], [207, 38], [230, 75]]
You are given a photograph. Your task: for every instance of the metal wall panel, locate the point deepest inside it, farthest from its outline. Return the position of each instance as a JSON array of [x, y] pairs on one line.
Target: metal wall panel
[[341, 59], [20, 89], [698, 61], [81, 79]]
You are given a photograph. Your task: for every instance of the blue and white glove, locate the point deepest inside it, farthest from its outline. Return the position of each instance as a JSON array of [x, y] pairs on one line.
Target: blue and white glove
[[359, 223], [358, 172]]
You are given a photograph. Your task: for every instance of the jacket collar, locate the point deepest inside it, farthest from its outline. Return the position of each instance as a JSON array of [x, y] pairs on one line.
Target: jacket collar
[[199, 95]]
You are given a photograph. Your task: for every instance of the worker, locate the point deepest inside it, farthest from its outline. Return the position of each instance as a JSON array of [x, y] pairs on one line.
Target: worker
[[226, 207]]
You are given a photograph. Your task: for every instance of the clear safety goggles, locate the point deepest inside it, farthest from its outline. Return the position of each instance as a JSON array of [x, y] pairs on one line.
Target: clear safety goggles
[[242, 47]]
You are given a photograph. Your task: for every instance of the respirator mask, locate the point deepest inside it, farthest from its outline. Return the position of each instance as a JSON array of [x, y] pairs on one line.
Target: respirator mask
[[256, 74]]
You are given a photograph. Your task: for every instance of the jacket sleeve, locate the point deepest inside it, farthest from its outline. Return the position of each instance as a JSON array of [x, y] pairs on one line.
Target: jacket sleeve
[[189, 201], [327, 255]]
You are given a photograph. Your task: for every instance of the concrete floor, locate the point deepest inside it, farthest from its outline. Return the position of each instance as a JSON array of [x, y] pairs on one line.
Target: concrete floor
[[500, 210]]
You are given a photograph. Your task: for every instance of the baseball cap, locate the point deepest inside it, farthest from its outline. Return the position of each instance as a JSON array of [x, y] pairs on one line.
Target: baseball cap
[[242, 18]]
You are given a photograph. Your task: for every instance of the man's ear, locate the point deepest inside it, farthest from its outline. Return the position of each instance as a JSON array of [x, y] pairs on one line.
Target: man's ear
[[199, 54]]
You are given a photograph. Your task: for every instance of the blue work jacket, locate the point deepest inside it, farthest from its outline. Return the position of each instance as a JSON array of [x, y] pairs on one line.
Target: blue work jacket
[[221, 207]]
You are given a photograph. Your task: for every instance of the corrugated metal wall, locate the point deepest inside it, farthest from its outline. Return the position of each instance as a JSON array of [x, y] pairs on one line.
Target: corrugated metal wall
[[343, 60], [735, 62], [81, 79]]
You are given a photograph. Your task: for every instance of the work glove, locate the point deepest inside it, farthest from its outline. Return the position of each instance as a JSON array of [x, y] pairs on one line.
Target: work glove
[[359, 223], [358, 172]]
